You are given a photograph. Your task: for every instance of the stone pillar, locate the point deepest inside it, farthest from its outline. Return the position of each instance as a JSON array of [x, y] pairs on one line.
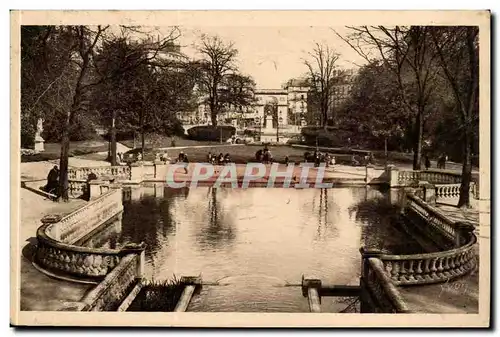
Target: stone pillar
[[369, 173], [392, 175], [160, 170], [429, 192], [136, 172], [51, 219], [141, 262], [365, 297], [310, 282]]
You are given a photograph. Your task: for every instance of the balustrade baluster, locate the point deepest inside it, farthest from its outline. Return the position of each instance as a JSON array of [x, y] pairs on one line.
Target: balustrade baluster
[[411, 271], [395, 270]]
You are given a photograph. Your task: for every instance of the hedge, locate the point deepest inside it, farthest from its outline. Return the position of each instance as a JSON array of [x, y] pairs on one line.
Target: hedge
[[211, 133]]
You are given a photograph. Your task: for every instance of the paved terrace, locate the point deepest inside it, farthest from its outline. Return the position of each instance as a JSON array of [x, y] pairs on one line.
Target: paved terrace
[[38, 291], [459, 296]]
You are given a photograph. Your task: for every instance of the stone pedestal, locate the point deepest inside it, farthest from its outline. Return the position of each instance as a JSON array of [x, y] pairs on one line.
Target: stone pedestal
[[39, 144], [136, 172], [429, 192], [160, 170], [269, 123], [392, 175]]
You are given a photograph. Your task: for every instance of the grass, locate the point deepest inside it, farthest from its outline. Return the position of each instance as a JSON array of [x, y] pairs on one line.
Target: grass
[[158, 296], [53, 150], [159, 141]]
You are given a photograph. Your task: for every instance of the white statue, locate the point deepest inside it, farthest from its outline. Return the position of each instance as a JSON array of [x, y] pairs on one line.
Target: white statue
[[39, 127], [39, 141]]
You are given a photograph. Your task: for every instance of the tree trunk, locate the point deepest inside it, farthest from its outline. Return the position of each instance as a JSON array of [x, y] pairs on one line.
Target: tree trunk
[[113, 139], [385, 150], [143, 143], [63, 163], [213, 117], [417, 145], [464, 199]]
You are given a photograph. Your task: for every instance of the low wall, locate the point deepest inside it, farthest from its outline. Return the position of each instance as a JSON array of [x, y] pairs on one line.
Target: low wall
[[57, 252], [121, 172], [382, 272], [116, 286]]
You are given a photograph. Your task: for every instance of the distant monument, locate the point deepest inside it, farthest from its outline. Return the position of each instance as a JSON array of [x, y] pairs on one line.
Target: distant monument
[[269, 122], [39, 141]]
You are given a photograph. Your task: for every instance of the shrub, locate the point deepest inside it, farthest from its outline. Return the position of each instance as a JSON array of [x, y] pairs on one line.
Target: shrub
[[158, 296], [211, 133]]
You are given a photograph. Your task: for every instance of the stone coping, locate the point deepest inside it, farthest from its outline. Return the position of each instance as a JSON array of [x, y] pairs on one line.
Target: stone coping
[[447, 253]]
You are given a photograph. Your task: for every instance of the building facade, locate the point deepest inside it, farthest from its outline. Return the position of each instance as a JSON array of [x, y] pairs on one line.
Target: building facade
[[284, 108]]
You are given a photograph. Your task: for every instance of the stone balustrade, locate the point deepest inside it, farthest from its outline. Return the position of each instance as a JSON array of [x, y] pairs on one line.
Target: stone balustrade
[[57, 252], [77, 187], [449, 191], [85, 219], [430, 268], [411, 178], [379, 294], [433, 219], [121, 172], [114, 288]]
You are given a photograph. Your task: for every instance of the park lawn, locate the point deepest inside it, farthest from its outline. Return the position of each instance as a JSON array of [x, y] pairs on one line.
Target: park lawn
[[242, 154], [160, 141], [53, 150]]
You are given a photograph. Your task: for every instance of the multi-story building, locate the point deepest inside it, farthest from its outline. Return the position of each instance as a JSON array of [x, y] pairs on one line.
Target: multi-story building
[[342, 87]]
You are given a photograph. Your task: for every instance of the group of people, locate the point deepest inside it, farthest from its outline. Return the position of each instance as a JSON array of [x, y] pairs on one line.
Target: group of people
[[220, 159], [317, 158], [441, 162], [264, 155]]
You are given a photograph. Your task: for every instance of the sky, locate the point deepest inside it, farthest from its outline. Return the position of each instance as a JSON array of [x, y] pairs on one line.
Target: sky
[[272, 55]]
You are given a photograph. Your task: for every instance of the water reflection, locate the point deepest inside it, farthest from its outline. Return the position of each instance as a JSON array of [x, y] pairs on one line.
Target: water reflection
[[217, 228], [277, 234]]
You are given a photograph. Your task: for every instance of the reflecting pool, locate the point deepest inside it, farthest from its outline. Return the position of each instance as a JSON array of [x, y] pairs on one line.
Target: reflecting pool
[[249, 241]]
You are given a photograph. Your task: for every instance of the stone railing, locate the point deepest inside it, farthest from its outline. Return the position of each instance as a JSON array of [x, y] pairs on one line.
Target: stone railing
[[431, 267], [85, 219], [57, 252], [411, 178], [121, 172], [75, 263], [378, 293], [448, 191], [382, 272], [114, 288], [434, 221]]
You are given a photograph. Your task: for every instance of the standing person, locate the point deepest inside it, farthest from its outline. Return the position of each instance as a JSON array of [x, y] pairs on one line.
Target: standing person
[[227, 159], [172, 141], [209, 157], [186, 163], [427, 162], [287, 160]]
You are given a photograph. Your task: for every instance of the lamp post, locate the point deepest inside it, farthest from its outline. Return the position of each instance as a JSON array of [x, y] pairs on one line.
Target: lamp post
[[260, 127]]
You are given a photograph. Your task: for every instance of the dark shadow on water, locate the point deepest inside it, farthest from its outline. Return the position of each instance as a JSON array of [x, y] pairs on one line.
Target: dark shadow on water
[[29, 249]]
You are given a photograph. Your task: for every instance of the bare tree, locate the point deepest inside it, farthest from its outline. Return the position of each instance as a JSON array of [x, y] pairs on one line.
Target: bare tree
[[323, 77], [218, 61], [119, 57], [458, 52], [409, 53], [86, 40]]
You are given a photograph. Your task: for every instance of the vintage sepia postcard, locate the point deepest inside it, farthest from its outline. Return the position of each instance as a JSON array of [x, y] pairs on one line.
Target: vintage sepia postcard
[[250, 168]]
